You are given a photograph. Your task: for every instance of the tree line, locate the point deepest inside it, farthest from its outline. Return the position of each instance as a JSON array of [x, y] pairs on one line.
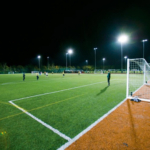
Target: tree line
[[4, 68]]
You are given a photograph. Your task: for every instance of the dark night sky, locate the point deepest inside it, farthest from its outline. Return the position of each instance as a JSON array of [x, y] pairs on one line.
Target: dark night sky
[[49, 29]]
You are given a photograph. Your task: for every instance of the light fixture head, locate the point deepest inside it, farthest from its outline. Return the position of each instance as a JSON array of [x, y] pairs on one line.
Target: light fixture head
[[70, 51], [123, 39], [145, 40]]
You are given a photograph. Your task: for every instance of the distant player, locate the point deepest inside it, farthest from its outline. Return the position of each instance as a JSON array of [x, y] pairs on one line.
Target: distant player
[[52, 72], [37, 76], [46, 74], [79, 72], [108, 77], [63, 73], [23, 76]]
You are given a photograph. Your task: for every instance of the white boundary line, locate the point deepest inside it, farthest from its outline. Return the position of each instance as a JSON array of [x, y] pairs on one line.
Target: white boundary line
[[57, 91], [43, 123], [89, 128]]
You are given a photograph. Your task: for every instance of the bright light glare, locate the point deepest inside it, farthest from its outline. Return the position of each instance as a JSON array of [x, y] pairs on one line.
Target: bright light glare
[[123, 39], [39, 56], [144, 40], [70, 51], [125, 57], [103, 58], [95, 48]]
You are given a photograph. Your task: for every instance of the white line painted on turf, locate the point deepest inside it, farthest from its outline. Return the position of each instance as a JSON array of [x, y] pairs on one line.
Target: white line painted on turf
[[56, 91], [43, 123], [60, 91], [89, 128]]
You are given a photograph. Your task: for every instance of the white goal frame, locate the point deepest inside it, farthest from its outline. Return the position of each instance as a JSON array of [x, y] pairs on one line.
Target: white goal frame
[[138, 79]]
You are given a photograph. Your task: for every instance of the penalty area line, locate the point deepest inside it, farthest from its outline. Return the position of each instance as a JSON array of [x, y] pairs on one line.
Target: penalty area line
[[90, 127], [42, 122]]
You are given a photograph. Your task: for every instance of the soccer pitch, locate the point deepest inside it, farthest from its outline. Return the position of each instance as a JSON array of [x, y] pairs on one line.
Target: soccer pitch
[[47, 113]]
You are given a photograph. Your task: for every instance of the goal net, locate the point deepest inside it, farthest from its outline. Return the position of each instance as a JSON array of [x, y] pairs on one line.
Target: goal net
[[138, 79], [98, 71], [34, 72]]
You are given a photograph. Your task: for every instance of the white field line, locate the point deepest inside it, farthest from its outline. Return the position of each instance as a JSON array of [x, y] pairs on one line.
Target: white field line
[[89, 128], [56, 91], [43, 123], [60, 90]]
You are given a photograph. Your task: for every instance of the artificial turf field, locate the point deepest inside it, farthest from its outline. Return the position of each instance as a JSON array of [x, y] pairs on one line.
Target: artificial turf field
[[45, 114]]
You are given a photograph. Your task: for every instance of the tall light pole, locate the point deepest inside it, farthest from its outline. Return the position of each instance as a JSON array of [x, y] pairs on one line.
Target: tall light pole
[[66, 60], [47, 62], [70, 52], [95, 56], [86, 63], [125, 57], [103, 63], [122, 39], [145, 40], [39, 61]]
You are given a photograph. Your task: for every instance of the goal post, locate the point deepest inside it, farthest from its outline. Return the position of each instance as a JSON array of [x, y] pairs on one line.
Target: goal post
[[138, 79]]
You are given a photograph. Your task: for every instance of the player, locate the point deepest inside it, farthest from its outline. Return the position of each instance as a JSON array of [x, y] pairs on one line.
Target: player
[[37, 76], [79, 72], [108, 77], [63, 73], [23, 76], [46, 74]]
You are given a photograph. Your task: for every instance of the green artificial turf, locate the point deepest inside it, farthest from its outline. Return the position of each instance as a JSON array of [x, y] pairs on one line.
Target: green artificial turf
[[69, 104]]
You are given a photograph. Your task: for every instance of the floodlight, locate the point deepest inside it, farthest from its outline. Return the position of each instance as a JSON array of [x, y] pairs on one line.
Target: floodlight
[[39, 56], [103, 58], [123, 39], [145, 40], [70, 51]]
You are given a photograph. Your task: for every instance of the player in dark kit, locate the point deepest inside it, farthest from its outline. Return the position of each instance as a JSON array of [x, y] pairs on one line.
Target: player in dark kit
[[37, 76], [23, 76], [108, 77]]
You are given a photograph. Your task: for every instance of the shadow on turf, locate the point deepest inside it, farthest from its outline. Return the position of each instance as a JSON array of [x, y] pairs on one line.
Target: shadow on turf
[[102, 91]]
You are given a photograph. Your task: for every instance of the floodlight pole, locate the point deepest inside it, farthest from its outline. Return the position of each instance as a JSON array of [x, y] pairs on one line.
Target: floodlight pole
[[122, 39], [39, 61], [39, 64], [143, 45], [66, 61], [103, 63], [95, 57], [121, 58], [70, 60], [125, 61], [86, 63], [48, 62], [70, 52]]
